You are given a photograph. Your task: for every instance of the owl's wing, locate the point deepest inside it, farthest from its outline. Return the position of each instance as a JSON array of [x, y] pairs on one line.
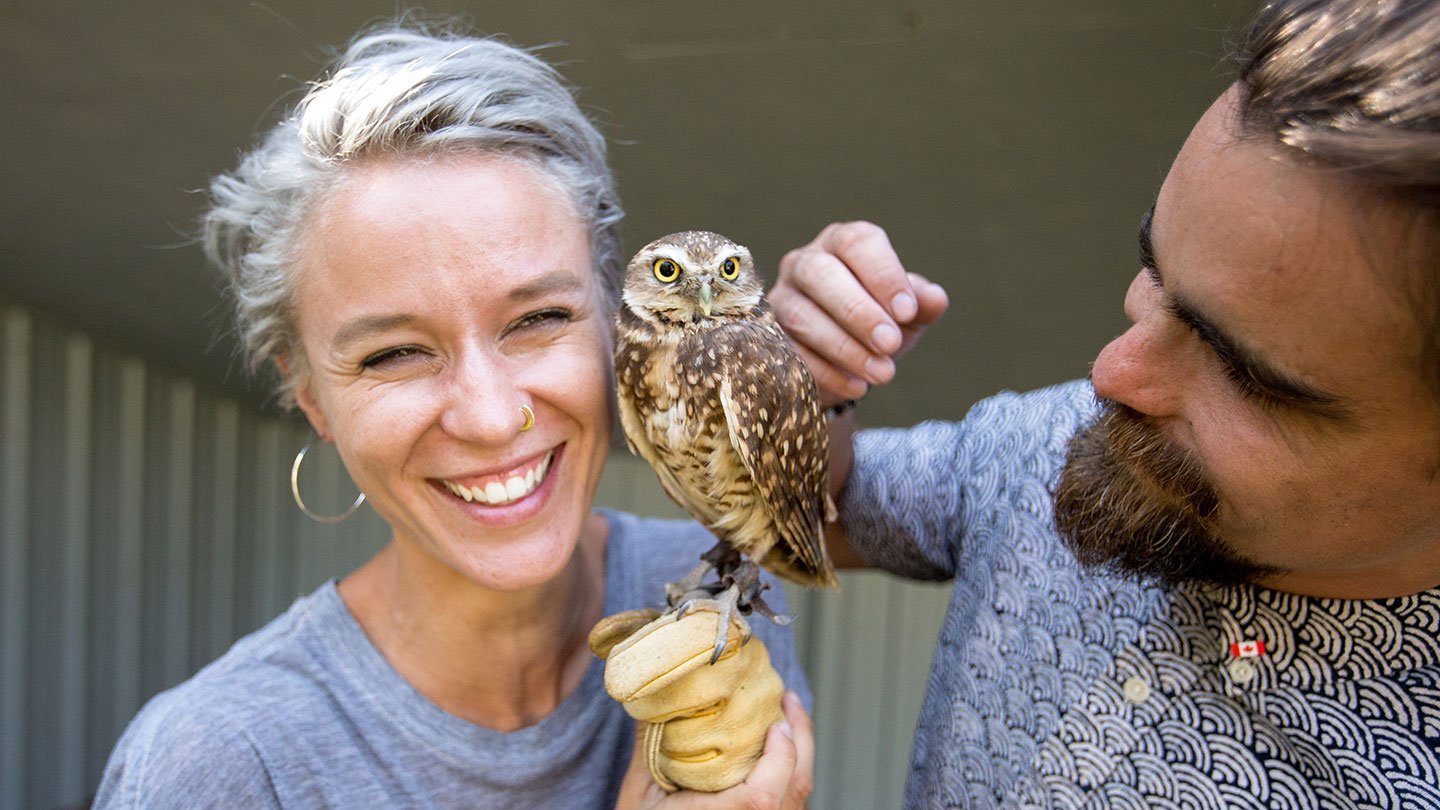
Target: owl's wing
[[772, 410], [640, 445], [629, 369]]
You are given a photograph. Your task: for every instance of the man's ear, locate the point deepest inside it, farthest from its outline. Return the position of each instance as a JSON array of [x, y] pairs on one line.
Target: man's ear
[[305, 398]]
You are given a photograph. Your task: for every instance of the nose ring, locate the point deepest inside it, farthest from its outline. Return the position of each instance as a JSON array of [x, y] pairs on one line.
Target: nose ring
[[529, 418]]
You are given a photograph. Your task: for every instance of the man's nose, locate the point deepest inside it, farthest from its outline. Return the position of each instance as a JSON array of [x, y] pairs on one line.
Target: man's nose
[[1142, 367]]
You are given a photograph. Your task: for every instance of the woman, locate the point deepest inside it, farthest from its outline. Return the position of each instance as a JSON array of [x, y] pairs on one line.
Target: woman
[[427, 250]]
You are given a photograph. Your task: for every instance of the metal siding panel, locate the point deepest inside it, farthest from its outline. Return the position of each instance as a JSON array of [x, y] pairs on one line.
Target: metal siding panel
[[129, 540], [828, 641], [215, 531], [15, 370], [267, 527], [177, 539], [113, 663], [74, 584], [45, 627], [862, 705]]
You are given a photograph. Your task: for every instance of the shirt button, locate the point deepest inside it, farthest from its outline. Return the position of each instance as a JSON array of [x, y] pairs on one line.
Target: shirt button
[[1241, 671], [1136, 690]]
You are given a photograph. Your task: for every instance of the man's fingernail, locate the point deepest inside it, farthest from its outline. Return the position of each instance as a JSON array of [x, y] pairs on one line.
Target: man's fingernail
[[879, 369], [856, 389], [886, 338], [785, 729], [903, 306]]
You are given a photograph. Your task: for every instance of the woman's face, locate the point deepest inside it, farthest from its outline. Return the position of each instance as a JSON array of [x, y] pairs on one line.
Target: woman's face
[[433, 300]]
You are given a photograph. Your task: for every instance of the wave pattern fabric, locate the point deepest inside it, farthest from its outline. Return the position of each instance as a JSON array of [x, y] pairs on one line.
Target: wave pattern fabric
[[1053, 687]]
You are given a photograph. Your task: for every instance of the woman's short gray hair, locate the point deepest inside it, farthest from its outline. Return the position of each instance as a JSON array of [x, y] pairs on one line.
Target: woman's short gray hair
[[397, 91]]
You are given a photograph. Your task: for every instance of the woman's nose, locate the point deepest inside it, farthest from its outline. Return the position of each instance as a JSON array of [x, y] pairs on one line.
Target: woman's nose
[[1140, 368], [484, 402]]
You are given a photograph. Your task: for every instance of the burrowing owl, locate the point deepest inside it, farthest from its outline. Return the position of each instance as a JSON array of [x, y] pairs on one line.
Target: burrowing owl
[[715, 398]]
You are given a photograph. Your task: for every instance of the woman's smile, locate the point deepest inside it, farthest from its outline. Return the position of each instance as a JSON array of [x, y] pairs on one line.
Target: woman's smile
[[501, 489]]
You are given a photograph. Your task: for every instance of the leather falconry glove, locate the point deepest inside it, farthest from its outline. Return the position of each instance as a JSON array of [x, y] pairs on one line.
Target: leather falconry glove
[[704, 724]]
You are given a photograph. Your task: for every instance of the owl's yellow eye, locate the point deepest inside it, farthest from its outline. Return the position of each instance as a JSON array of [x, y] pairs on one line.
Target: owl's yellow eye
[[666, 270], [730, 269]]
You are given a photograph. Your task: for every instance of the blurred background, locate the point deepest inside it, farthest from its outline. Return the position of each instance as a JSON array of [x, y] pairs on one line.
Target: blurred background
[[1007, 146]]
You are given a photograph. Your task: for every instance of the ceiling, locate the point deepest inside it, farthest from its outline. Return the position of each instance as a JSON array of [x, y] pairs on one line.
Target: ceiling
[[1007, 146]]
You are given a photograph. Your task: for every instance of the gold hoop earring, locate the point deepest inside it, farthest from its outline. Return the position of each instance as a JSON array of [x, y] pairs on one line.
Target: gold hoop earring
[[300, 502], [529, 418]]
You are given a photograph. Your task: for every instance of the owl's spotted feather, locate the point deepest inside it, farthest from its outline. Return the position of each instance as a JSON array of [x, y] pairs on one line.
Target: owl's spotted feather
[[721, 405]]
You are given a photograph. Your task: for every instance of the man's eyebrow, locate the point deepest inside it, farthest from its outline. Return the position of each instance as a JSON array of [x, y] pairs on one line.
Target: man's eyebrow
[[367, 325], [1248, 367]]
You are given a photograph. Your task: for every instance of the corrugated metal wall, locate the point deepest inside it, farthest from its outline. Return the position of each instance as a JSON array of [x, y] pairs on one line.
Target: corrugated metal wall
[[145, 525]]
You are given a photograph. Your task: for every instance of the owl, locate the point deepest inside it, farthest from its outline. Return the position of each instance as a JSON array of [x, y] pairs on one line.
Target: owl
[[715, 398]]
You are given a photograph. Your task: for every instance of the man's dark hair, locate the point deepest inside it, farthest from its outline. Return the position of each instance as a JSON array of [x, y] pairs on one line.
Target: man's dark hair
[[1355, 85], [1351, 83]]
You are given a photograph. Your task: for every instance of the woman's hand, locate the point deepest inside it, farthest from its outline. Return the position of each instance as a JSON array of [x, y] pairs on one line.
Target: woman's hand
[[851, 308], [782, 777]]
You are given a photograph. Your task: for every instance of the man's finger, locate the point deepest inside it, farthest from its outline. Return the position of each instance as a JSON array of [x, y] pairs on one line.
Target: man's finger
[[824, 279], [932, 300], [865, 248], [812, 328]]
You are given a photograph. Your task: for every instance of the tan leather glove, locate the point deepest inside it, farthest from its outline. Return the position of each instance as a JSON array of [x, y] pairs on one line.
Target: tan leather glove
[[704, 724]]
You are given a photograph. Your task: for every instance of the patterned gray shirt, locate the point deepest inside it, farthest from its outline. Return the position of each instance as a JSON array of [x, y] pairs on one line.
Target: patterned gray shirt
[[1052, 687]]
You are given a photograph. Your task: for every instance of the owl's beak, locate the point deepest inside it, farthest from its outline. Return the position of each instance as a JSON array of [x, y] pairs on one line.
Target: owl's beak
[[706, 296]]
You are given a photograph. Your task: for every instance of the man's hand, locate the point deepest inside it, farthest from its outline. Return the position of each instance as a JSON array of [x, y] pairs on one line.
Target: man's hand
[[851, 308]]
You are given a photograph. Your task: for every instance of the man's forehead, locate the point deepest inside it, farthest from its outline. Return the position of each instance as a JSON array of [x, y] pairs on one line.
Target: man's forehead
[[1292, 259]]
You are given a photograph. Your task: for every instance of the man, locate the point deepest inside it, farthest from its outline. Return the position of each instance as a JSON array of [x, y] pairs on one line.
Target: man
[[1221, 586]]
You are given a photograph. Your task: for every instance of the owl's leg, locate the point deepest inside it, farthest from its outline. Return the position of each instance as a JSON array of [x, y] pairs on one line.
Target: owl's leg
[[745, 576], [689, 587], [693, 586]]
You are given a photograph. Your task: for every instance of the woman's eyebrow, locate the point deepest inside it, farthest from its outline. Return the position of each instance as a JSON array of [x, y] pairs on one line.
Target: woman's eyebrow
[[367, 325]]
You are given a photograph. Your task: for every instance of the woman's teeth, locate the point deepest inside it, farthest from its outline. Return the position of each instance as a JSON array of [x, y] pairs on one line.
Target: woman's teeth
[[513, 489]]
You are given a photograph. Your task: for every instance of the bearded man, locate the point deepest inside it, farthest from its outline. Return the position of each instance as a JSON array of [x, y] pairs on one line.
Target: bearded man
[[1210, 576]]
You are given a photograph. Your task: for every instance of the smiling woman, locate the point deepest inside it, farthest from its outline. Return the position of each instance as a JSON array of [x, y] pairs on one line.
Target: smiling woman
[[426, 249]]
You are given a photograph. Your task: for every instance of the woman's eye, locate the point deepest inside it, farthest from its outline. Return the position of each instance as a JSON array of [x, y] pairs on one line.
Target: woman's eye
[[386, 356], [543, 316]]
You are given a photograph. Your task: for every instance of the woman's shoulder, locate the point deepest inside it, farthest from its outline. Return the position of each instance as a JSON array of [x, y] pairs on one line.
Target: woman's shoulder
[[185, 750], [208, 733]]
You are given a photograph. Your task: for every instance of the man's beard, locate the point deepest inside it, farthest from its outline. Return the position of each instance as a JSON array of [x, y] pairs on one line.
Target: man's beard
[[1131, 502]]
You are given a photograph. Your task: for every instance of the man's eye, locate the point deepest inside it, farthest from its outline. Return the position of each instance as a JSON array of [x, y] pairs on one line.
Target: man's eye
[[386, 356]]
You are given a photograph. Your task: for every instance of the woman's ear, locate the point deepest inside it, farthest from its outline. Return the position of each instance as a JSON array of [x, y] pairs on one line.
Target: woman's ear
[[305, 398]]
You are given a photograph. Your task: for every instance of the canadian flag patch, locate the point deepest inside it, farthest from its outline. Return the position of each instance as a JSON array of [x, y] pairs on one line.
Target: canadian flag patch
[[1247, 649]]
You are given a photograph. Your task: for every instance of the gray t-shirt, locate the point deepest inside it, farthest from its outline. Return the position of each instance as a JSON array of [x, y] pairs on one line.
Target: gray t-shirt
[[305, 712]]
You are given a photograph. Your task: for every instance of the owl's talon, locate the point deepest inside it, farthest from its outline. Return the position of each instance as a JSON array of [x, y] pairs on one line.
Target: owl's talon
[[726, 602], [757, 604], [724, 605]]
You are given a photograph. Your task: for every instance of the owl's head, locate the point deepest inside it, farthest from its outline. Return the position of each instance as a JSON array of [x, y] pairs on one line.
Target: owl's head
[[692, 276]]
